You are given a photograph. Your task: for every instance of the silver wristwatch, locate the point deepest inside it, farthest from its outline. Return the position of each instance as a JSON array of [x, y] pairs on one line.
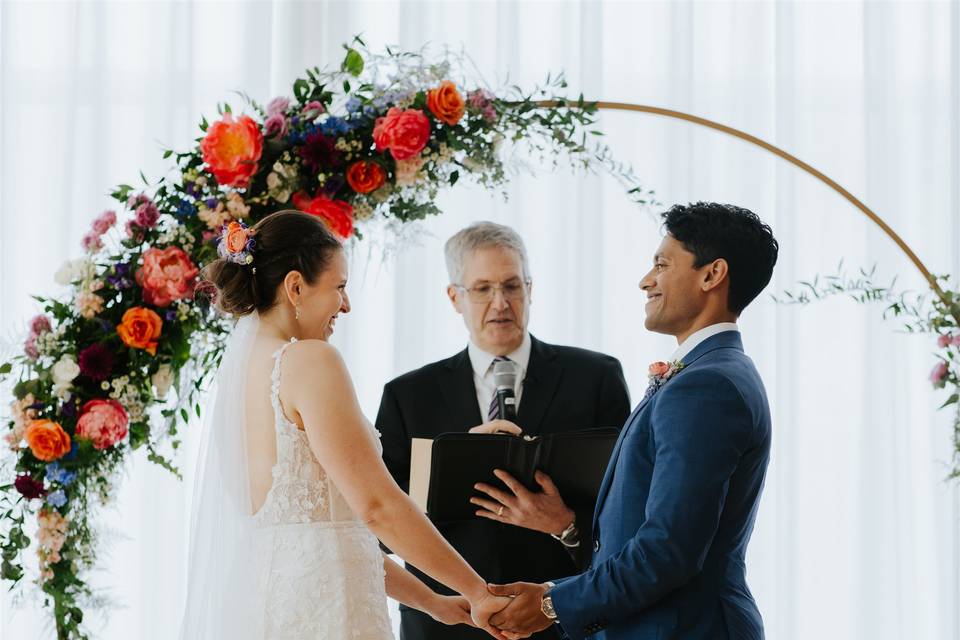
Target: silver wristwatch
[[569, 537]]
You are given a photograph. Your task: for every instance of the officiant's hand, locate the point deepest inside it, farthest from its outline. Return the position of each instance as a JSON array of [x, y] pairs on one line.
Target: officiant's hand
[[544, 512], [450, 610], [497, 426], [524, 616]]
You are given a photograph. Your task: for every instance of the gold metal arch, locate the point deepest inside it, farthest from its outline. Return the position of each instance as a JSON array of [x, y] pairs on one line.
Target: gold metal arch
[[763, 144]]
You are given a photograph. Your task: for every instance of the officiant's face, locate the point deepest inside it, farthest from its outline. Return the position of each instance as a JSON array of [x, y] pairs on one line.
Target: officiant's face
[[673, 286], [498, 325]]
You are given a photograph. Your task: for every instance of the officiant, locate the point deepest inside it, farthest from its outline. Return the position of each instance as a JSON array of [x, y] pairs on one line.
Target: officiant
[[518, 534]]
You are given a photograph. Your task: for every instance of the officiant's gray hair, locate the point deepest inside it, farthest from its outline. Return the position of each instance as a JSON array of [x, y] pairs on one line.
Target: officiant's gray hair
[[482, 235]]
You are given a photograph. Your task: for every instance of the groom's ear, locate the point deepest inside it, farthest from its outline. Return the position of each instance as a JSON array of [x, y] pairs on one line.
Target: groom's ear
[[715, 274]]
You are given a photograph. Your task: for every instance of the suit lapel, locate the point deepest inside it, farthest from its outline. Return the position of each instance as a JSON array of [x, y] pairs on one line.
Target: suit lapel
[[460, 395], [725, 340], [539, 386]]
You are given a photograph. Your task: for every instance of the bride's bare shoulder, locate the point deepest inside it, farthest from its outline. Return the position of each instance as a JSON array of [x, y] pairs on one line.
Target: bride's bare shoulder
[[312, 359]]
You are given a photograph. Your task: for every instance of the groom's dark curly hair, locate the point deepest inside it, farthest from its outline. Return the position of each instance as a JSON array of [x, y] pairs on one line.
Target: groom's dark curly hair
[[710, 231]]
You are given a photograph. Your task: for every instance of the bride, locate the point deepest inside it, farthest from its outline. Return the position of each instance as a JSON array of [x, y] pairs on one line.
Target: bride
[[292, 496]]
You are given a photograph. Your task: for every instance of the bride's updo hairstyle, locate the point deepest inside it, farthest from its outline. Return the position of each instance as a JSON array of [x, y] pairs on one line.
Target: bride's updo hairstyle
[[284, 241]]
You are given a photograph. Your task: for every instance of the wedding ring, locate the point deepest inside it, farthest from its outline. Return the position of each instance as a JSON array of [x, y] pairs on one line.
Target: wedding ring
[[500, 511]]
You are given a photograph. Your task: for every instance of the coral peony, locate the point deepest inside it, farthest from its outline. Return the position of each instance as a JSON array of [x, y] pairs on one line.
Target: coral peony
[[446, 103], [337, 215], [166, 275], [104, 422], [140, 328], [47, 440], [231, 149], [364, 177], [403, 132]]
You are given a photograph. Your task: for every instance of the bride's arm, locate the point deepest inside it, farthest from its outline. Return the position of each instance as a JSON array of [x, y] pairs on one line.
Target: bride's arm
[[406, 588], [317, 392]]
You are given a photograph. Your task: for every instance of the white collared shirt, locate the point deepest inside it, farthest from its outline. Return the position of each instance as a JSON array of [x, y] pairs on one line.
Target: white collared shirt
[[482, 363], [695, 338]]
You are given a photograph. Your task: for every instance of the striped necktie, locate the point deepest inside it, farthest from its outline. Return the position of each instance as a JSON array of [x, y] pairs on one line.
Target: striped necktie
[[493, 413]]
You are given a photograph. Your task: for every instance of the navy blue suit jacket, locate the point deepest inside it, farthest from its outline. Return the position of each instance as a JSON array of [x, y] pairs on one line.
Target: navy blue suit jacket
[[676, 509]]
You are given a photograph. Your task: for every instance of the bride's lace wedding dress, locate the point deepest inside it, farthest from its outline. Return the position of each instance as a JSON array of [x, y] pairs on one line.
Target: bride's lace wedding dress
[[319, 570]]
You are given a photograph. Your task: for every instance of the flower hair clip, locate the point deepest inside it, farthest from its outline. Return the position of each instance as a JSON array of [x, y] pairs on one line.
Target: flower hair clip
[[236, 243]]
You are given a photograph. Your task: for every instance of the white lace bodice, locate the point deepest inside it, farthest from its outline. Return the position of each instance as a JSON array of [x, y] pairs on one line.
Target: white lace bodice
[[301, 491], [321, 574]]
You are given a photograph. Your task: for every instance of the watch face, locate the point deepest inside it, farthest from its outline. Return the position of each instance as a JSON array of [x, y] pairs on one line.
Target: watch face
[[546, 605]]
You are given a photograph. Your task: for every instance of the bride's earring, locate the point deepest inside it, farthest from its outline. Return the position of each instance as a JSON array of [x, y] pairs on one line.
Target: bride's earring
[[297, 307]]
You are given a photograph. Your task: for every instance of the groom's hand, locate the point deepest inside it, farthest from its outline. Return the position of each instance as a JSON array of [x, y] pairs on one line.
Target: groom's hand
[[544, 512], [524, 616]]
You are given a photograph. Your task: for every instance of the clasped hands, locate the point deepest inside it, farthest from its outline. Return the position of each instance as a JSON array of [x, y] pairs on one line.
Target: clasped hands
[[506, 612]]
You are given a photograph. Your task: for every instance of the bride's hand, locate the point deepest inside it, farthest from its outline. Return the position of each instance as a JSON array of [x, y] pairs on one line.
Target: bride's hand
[[451, 610], [483, 607]]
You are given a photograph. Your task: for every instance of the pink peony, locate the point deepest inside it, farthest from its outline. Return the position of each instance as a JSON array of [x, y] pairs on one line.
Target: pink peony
[[104, 422], [166, 275], [404, 132], [939, 375]]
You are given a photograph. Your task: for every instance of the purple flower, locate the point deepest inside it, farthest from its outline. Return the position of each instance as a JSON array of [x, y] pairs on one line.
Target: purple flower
[[39, 324], [278, 105], [211, 203], [96, 362], [146, 215], [170, 315], [28, 487], [275, 125], [69, 408]]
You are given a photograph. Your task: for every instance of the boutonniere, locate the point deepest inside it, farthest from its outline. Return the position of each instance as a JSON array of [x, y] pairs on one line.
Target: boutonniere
[[659, 372]]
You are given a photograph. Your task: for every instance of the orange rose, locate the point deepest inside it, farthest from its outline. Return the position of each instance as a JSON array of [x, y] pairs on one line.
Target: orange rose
[[658, 368], [336, 214], [140, 329], [364, 177], [236, 237], [47, 440], [446, 103], [232, 149]]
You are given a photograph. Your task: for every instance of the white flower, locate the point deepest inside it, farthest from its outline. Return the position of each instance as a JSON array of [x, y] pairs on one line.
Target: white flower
[[64, 371], [73, 270], [162, 381]]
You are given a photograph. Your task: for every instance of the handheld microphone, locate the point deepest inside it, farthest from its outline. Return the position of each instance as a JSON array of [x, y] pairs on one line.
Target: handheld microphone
[[505, 377]]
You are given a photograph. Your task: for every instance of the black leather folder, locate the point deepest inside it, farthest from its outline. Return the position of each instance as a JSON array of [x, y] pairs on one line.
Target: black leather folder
[[575, 460]]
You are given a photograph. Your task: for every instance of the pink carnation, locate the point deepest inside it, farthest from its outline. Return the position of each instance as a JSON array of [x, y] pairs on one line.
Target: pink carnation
[[146, 215], [104, 422], [166, 275], [312, 109], [275, 125], [39, 324], [278, 105], [104, 221], [939, 375], [944, 341], [91, 242]]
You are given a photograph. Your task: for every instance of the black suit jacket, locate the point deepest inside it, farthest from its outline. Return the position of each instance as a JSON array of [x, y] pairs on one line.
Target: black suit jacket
[[565, 389]]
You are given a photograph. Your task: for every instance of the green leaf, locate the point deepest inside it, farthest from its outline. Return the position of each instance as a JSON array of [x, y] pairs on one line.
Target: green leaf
[[951, 400], [352, 63], [300, 89], [5, 368]]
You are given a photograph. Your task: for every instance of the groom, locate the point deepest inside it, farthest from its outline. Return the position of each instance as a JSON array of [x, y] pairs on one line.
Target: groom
[[678, 503]]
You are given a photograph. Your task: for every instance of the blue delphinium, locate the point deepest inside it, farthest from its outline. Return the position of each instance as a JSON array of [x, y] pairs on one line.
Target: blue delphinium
[[56, 473], [57, 499]]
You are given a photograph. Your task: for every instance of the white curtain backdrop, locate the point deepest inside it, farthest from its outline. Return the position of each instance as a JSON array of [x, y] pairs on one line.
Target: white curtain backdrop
[[857, 535]]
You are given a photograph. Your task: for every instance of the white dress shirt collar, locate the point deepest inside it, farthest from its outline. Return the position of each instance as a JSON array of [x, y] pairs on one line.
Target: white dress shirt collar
[[480, 360], [695, 338]]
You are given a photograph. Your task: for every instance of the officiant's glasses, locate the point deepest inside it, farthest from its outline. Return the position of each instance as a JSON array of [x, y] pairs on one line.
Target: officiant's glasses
[[483, 293]]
